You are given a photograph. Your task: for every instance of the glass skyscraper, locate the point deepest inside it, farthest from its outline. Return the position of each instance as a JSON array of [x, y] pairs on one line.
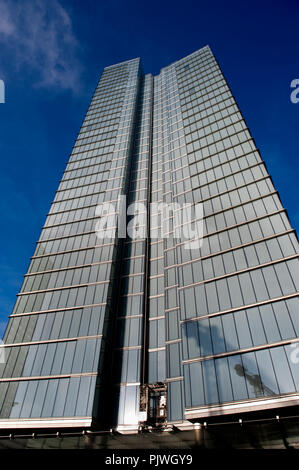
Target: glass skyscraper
[[131, 332]]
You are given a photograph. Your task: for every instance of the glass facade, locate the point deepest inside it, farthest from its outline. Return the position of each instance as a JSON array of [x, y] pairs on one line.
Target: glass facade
[[96, 318]]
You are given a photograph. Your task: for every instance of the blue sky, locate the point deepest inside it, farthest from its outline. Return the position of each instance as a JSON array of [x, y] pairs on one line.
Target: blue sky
[[52, 54]]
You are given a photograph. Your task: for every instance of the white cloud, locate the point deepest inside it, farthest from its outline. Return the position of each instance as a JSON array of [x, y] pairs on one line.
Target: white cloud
[[38, 35], [6, 25]]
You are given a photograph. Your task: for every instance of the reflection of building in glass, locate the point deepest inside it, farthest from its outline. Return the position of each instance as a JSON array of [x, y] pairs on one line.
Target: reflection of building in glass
[[255, 381], [118, 332]]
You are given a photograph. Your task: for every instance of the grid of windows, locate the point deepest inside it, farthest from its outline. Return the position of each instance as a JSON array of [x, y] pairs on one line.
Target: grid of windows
[[127, 353], [56, 337], [216, 324], [235, 338]]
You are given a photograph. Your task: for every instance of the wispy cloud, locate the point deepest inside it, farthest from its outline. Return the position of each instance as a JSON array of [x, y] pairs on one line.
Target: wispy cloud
[[38, 35]]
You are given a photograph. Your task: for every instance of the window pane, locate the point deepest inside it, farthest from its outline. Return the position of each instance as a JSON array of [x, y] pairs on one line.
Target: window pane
[[210, 385], [224, 386], [282, 370]]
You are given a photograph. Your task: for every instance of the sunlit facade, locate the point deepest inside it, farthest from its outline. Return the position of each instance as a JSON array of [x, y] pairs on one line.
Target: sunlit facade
[[127, 333]]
